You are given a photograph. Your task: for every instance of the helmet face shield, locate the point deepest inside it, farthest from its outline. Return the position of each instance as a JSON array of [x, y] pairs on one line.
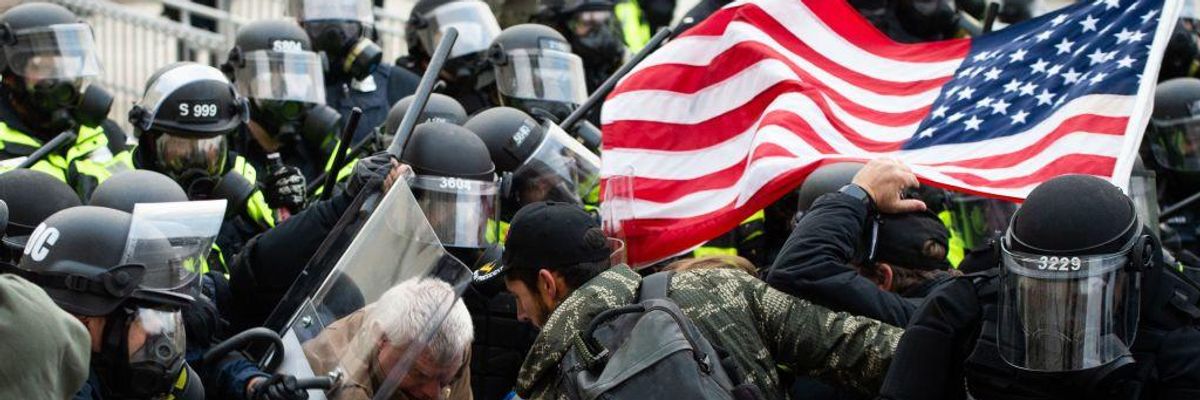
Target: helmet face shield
[[460, 210], [173, 240], [1067, 313], [979, 218], [474, 21], [179, 155], [1176, 143], [546, 75], [319, 10], [63, 52], [284, 76], [560, 169]]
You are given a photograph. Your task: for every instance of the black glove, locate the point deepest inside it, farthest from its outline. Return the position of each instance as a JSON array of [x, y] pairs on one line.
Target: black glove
[[278, 387], [285, 188], [369, 171]]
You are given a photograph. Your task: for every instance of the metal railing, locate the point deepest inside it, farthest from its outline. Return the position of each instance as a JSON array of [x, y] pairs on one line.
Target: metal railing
[[134, 41]]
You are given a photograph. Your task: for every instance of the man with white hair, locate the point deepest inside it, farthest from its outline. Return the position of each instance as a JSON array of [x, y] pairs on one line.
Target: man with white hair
[[367, 344]]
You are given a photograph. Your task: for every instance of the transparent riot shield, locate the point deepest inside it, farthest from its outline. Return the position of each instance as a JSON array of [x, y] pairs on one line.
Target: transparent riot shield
[[616, 209], [358, 325], [173, 241]]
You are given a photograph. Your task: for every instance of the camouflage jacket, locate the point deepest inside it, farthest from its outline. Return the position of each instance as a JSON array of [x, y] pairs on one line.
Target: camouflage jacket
[[761, 327]]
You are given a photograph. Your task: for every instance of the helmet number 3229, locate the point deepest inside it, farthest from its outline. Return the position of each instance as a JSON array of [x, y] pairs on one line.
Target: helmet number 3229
[[1060, 263]]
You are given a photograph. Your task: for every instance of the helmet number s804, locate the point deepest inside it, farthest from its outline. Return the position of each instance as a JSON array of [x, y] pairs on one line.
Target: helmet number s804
[[198, 111], [1048, 263]]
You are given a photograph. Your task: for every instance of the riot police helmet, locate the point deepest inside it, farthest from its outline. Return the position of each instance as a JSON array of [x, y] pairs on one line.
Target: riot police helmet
[[1073, 260], [52, 54], [124, 190], [1174, 131], [539, 161], [826, 179], [429, 20], [536, 71], [454, 183], [183, 118], [440, 108], [31, 197]]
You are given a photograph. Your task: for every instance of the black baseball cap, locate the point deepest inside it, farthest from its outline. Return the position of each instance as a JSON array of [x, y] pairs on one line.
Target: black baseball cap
[[906, 240], [551, 235]]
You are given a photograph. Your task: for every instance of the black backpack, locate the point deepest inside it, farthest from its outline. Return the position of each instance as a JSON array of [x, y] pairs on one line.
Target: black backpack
[[647, 350]]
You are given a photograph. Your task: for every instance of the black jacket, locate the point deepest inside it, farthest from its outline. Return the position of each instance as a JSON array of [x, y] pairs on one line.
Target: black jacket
[[815, 265], [391, 83]]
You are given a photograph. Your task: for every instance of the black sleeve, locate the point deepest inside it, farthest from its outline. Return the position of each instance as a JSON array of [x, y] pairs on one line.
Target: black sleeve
[[1178, 364], [815, 264], [928, 363], [401, 83], [266, 267]]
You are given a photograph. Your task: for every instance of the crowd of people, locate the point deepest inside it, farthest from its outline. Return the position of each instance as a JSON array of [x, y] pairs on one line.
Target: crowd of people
[[243, 243]]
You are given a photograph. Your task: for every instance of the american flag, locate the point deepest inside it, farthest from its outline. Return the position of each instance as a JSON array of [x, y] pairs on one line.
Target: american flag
[[734, 113]]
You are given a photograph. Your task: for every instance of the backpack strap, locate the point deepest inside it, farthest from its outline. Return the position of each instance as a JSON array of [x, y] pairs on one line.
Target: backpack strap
[[655, 286]]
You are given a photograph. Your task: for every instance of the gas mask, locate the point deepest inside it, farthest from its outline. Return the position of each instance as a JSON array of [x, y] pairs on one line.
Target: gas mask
[[596, 38], [53, 69], [350, 52], [142, 353], [195, 163], [289, 122]]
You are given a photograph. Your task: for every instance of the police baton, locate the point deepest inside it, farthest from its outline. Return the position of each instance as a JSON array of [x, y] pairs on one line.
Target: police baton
[[66, 137], [424, 89], [339, 157], [611, 83]]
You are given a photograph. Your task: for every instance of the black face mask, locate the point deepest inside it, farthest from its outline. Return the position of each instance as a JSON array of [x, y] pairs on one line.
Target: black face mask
[[147, 378], [350, 53], [59, 104], [601, 47], [293, 123]]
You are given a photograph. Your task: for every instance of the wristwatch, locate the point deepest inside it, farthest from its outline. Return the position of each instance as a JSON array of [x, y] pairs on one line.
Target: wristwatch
[[860, 194]]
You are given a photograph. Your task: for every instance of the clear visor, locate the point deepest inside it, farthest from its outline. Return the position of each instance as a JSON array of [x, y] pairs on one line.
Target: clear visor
[[474, 21], [548, 75], [178, 155], [173, 240], [64, 51], [460, 210], [1066, 313], [1176, 144], [317, 10], [284, 76], [560, 169], [980, 219], [156, 336]]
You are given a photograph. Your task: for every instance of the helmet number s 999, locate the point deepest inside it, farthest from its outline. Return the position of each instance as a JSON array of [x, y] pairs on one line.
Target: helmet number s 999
[[198, 111]]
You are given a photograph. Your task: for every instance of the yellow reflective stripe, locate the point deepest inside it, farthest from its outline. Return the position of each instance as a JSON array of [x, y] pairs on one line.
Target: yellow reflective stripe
[[494, 230], [47, 167], [758, 216], [706, 251], [957, 249], [89, 139], [329, 161], [635, 29], [256, 205], [9, 135]]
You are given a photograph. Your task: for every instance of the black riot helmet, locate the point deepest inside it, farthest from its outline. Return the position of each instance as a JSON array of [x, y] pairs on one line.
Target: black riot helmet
[[928, 19], [124, 190], [826, 179], [273, 65], [476, 25], [1014, 11], [82, 258], [454, 183], [1173, 136], [31, 196], [183, 120], [440, 108], [1073, 262], [536, 71], [49, 62], [343, 30], [538, 161], [595, 34]]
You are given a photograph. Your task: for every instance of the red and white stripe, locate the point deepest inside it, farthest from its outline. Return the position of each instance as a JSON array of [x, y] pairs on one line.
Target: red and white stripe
[[738, 110]]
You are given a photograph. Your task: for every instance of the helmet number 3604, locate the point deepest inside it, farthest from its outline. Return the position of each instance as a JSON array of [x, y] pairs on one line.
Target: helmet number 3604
[[454, 183], [1060, 263]]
